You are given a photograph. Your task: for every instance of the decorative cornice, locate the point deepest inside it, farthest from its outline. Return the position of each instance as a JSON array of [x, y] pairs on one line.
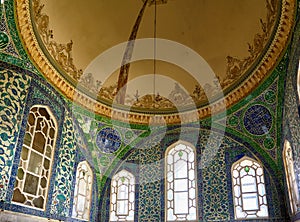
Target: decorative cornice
[[266, 65]]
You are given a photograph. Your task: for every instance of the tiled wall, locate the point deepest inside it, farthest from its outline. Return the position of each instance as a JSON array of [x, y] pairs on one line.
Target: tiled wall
[[13, 94], [291, 118], [253, 128], [215, 201], [139, 145], [20, 90]]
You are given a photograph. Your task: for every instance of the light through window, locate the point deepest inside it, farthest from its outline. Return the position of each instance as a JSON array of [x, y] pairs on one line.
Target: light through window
[[290, 176], [248, 182], [122, 197], [83, 191], [32, 181], [181, 195]]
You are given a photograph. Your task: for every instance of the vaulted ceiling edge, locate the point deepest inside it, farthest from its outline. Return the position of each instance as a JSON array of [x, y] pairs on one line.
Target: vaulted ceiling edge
[[70, 90]]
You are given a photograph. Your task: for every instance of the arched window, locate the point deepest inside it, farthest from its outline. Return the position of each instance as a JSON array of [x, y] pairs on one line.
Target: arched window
[[122, 197], [249, 193], [181, 183], [290, 176], [83, 192], [32, 181]]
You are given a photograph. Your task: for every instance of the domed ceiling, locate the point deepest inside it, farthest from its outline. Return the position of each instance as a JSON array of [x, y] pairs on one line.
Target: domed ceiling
[[155, 56]]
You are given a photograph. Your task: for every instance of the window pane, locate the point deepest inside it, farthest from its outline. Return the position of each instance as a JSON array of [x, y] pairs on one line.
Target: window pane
[[81, 203], [122, 207], [33, 171], [123, 192], [27, 139], [24, 154], [248, 184], [250, 201], [248, 189], [39, 142], [181, 203], [290, 175], [31, 184], [180, 184], [82, 186], [83, 190], [123, 197], [35, 163], [180, 169]]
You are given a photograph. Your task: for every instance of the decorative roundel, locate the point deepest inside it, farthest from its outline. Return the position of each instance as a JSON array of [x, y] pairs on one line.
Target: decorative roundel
[[4, 40], [269, 143], [258, 120], [108, 140], [233, 121], [270, 96]]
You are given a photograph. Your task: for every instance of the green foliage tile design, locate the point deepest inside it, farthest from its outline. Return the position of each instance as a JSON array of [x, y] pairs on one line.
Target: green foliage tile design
[[6, 45], [150, 189], [13, 91], [214, 188], [265, 97], [14, 53], [64, 171]]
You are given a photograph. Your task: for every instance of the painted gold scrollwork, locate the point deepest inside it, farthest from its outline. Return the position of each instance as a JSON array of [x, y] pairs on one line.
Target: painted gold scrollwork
[[235, 66], [62, 53], [280, 36]]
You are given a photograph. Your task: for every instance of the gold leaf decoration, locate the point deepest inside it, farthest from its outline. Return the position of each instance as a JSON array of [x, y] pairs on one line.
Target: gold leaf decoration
[[236, 67], [62, 53]]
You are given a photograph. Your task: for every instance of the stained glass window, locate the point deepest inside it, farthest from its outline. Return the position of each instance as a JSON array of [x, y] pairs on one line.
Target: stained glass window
[[290, 176], [249, 193], [181, 183], [122, 197], [83, 191], [32, 181]]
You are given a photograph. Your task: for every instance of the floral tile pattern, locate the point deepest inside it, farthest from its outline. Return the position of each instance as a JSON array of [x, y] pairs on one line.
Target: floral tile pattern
[[13, 91]]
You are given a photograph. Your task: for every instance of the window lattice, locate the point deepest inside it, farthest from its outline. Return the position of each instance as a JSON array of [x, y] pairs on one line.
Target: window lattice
[[122, 197], [181, 195], [32, 181], [83, 192], [249, 192], [290, 176]]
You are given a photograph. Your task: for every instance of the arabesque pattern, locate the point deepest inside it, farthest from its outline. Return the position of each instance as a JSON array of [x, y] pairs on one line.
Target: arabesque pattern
[[13, 91], [64, 171]]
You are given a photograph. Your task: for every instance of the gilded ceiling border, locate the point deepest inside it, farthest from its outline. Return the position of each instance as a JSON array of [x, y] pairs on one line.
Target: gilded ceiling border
[[267, 64]]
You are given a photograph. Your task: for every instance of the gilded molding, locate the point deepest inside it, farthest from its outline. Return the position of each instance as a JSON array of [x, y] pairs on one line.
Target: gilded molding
[[266, 65]]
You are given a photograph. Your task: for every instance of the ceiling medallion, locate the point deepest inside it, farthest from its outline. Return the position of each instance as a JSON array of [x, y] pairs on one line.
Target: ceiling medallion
[[62, 53]]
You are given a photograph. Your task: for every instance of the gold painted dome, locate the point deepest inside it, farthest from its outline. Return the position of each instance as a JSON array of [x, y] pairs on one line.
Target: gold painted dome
[[81, 46]]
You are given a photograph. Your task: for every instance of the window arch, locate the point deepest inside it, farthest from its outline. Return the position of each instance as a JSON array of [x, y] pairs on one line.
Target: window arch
[[122, 197], [249, 193], [181, 183], [290, 176], [83, 191], [32, 180]]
